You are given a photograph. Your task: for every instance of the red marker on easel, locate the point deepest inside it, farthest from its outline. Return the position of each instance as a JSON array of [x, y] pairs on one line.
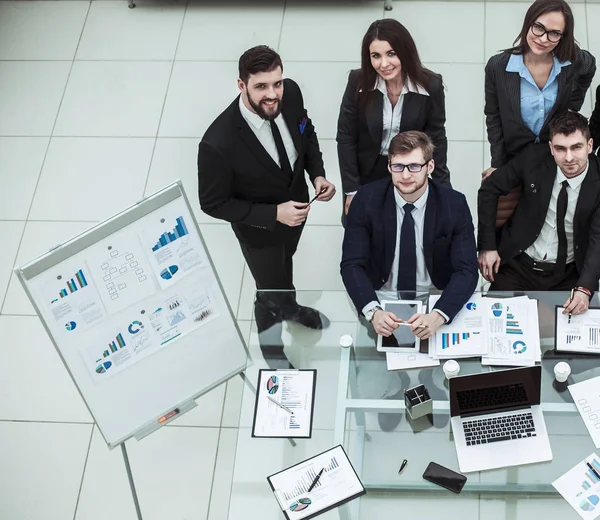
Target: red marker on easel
[[168, 416]]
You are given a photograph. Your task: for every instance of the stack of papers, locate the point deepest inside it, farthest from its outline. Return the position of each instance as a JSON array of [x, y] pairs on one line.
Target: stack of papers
[[503, 331], [580, 487]]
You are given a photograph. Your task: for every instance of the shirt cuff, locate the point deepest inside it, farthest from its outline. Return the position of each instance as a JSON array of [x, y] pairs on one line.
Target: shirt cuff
[[443, 315], [369, 306], [351, 193]]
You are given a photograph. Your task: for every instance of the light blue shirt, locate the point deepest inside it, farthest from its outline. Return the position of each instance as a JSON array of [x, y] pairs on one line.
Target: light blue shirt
[[536, 104]]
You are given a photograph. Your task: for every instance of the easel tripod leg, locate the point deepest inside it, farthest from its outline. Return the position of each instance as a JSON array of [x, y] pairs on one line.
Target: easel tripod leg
[[131, 483]]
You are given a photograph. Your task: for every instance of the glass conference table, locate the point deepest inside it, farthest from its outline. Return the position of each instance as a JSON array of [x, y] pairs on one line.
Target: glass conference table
[[352, 384]]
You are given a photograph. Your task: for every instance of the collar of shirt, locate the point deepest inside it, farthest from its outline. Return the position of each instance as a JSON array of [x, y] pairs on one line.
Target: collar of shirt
[[575, 182], [406, 88], [251, 118], [517, 64], [419, 203]]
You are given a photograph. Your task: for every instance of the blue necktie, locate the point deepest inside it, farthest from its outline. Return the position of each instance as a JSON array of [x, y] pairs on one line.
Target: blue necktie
[[407, 262]]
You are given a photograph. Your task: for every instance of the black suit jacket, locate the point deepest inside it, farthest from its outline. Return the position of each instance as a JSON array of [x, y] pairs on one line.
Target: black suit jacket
[[359, 135], [595, 121], [507, 133], [535, 170], [448, 244], [238, 181]]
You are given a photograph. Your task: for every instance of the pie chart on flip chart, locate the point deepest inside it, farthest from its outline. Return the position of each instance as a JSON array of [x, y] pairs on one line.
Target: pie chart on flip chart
[[273, 385], [300, 505], [70, 325], [497, 309], [168, 272], [103, 367], [589, 503]]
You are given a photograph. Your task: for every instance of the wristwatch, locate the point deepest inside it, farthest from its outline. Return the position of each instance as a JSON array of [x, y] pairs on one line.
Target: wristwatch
[[371, 312]]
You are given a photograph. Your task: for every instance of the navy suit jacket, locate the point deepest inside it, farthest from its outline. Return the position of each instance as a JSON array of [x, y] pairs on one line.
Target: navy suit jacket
[[448, 244]]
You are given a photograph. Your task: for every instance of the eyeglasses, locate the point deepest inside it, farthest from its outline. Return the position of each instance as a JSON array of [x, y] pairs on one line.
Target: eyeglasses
[[539, 30], [412, 168]]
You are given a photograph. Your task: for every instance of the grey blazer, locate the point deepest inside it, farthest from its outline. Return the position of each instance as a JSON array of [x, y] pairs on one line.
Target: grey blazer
[[507, 133]]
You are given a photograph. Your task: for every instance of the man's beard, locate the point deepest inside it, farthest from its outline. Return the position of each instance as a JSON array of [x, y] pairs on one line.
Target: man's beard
[[258, 108]]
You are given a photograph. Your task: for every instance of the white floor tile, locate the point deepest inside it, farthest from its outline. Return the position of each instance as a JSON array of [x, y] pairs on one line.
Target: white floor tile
[[20, 164], [30, 94], [194, 100], [112, 169], [464, 99], [38, 238], [464, 161], [177, 159], [11, 236], [327, 213], [457, 26], [40, 30], [221, 490], [34, 376], [317, 261], [323, 105], [235, 386], [172, 470], [246, 28], [42, 466], [378, 505], [227, 258], [504, 20], [526, 508], [310, 28], [147, 33], [105, 98]]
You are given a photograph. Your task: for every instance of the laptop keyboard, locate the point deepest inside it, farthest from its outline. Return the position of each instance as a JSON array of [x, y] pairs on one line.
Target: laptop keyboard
[[496, 429]]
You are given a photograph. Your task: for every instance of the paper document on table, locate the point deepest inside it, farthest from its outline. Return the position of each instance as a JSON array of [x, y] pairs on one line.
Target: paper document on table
[[464, 336], [316, 485], [284, 403], [586, 396], [406, 360], [580, 487], [578, 332]]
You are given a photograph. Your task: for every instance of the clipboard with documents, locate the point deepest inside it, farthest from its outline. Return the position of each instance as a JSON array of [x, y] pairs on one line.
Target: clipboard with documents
[[329, 476], [284, 403], [577, 332]]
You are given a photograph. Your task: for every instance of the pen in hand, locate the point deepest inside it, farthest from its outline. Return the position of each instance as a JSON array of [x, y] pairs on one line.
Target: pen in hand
[[314, 482], [571, 301], [323, 190]]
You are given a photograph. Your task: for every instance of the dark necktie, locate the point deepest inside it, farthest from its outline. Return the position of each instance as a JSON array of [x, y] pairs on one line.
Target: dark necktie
[[407, 261], [561, 211], [283, 157]]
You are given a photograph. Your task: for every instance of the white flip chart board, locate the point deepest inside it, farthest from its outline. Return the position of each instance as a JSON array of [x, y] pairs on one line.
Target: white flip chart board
[[138, 315]]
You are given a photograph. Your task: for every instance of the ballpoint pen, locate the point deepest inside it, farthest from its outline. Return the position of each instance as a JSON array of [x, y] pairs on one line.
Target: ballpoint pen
[[279, 404], [571, 301], [314, 482], [402, 466], [323, 190]]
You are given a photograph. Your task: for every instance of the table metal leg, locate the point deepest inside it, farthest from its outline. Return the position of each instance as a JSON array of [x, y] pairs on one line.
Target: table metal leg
[[387, 5], [131, 4]]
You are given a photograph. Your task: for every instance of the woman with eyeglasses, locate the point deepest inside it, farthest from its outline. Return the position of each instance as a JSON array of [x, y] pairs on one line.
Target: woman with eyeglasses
[[391, 92], [542, 76]]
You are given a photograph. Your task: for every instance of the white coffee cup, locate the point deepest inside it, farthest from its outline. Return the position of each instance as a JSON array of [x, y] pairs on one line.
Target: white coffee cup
[[346, 341], [451, 368], [562, 371]]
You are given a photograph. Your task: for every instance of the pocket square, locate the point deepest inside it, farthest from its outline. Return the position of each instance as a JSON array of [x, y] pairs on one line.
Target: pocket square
[[302, 125]]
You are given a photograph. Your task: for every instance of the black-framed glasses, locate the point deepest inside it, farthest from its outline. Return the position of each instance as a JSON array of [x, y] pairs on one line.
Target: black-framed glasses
[[412, 168], [538, 29]]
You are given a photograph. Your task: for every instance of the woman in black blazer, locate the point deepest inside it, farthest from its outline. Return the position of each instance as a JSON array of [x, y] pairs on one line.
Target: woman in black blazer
[[392, 92], [542, 76]]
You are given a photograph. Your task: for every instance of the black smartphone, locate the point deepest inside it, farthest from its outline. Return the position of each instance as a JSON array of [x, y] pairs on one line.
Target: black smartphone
[[445, 477]]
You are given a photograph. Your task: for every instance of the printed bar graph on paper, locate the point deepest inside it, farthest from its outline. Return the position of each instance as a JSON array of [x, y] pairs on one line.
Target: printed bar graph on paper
[[594, 336], [585, 485], [571, 338], [592, 477], [180, 230], [512, 325], [596, 465], [454, 338]]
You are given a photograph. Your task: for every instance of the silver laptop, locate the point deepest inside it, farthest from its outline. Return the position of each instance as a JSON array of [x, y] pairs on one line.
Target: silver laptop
[[497, 420]]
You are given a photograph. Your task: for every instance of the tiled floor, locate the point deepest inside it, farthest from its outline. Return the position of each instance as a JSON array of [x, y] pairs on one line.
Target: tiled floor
[[101, 105]]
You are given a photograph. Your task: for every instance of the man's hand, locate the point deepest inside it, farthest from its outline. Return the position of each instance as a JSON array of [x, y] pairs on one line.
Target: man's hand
[[347, 203], [385, 323], [425, 325], [489, 263], [292, 213], [321, 183], [487, 173], [578, 305]]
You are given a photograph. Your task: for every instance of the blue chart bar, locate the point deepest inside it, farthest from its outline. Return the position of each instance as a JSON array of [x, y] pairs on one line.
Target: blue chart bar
[[180, 230], [592, 477], [596, 465]]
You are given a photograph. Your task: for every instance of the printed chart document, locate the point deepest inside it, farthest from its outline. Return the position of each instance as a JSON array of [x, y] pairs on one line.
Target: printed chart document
[[284, 403], [586, 396], [578, 333], [580, 487], [338, 483]]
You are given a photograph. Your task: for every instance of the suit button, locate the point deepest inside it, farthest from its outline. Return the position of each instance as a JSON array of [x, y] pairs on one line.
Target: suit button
[[576, 247]]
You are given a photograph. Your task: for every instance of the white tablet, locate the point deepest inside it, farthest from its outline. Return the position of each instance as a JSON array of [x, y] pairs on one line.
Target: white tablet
[[403, 338]]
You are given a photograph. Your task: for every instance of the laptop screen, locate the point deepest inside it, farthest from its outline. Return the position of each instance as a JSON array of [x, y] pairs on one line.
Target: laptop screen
[[495, 391]]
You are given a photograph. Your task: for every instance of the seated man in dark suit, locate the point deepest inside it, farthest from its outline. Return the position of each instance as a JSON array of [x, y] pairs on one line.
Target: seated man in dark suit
[[552, 241], [409, 233]]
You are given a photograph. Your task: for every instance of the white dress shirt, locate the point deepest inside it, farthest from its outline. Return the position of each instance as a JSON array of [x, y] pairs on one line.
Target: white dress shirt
[[545, 248], [389, 289], [265, 136]]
